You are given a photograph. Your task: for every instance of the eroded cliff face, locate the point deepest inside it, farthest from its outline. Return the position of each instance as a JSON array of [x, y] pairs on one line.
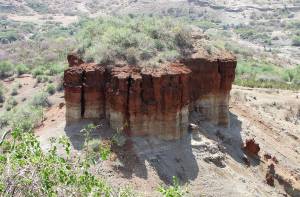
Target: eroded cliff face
[[153, 101]]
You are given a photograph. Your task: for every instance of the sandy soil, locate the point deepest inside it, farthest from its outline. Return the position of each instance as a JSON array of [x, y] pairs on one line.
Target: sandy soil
[[208, 161]]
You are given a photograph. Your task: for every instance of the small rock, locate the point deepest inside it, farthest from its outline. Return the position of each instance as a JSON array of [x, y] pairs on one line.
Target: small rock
[[61, 105], [267, 156], [270, 175], [275, 160], [251, 147], [217, 159], [193, 127]]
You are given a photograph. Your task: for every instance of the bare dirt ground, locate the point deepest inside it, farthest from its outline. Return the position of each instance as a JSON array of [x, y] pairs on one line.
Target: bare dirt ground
[[208, 161]]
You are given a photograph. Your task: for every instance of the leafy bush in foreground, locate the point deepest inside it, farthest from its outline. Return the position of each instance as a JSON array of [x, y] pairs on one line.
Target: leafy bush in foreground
[[172, 191], [26, 170]]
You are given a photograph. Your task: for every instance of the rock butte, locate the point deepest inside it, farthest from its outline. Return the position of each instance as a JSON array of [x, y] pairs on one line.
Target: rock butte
[[150, 101]]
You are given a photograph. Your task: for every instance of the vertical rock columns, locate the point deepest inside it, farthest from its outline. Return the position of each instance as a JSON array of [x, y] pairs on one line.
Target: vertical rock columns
[[155, 101]]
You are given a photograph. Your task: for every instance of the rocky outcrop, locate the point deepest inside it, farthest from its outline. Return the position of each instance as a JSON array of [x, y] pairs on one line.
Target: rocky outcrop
[[150, 101], [209, 87], [251, 147]]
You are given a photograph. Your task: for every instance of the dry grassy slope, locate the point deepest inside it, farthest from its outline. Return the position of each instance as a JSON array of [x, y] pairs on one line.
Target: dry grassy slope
[[227, 12], [25, 85], [209, 161]]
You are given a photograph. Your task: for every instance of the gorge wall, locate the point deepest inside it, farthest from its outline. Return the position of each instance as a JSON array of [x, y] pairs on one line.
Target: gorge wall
[[150, 101]]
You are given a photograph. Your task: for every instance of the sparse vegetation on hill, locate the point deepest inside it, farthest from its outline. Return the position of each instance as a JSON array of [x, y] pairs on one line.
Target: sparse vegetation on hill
[[296, 41], [2, 98], [249, 33], [37, 6], [27, 116], [253, 73], [136, 40]]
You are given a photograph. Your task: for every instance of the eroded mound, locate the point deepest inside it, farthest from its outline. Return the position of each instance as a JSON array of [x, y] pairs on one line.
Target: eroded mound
[[154, 101]]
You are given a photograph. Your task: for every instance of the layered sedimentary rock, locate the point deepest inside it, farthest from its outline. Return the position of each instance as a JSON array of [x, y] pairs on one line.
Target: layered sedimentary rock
[[73, 85], [153, 101], [210, 85]]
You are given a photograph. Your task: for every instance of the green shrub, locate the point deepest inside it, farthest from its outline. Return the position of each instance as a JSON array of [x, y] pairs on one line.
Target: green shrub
[[54, 69], [39, 79], [2, 98], [172, 191], [4, 120], [42, 78], [254, 34], [183, 39], [266, 84], [252, 73], [47, 173], [14, 92], [21, 69], [251, 67], [205, 24], [10, 103], [38, 71], [38, 6], [105, 151], [40, 100], [6, 69], [8, 36], [294, 24], [51, 89], [26, 118], [48, 69], [296, 41]]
